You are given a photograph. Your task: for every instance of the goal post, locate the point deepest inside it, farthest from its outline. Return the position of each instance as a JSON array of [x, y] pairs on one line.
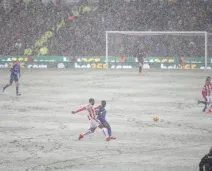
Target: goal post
[[176, 44]]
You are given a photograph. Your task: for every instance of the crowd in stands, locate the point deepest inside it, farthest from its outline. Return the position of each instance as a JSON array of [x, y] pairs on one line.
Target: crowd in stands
[[82, 32]]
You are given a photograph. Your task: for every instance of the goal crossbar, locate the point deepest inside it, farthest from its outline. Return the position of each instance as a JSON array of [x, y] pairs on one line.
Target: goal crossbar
[[157, 32]]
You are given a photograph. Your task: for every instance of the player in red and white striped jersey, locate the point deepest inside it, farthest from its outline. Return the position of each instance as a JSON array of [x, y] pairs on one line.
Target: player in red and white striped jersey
[[93, 122], [207, 93], [204, 93]]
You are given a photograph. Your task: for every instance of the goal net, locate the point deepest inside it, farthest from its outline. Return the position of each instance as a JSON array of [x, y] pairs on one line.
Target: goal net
[[163, 50]]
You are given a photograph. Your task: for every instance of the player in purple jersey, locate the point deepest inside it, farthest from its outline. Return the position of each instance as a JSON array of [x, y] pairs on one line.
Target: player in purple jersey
[[101, 114], [15, 72]]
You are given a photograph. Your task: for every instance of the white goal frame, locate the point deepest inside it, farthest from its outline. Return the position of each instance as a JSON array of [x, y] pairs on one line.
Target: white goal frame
[[204, 33]]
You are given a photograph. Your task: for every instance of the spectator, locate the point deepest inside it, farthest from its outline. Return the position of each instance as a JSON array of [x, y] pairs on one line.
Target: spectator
[[86, 32]]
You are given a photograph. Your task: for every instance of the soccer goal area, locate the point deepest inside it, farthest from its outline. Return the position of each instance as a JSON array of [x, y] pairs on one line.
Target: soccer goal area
[[161, 50]]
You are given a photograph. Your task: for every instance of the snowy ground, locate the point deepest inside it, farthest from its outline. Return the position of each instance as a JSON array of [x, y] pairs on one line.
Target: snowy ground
[[38, 131]]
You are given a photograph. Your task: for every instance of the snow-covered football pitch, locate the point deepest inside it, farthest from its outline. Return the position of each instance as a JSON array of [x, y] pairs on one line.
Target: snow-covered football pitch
[[39, 133]]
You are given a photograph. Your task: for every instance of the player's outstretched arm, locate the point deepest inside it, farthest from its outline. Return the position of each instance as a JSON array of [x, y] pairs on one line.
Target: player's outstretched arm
[[79, 110], [97, 107]]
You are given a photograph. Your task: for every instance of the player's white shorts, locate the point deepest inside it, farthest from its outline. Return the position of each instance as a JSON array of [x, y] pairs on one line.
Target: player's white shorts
[[209, 98], [93, 123]]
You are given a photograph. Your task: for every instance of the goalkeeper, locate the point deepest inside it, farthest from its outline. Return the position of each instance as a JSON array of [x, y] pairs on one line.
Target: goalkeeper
[[140, 58]]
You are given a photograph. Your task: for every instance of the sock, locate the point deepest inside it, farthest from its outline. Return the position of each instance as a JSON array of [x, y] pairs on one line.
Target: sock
[[87, 133], [6, 86], [208, 107], [109, 131], [205, 107], [17, 89], [105, 132]]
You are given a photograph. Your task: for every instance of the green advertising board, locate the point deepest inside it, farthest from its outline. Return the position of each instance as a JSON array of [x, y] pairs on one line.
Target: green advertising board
[[99, 62], [99, 59]]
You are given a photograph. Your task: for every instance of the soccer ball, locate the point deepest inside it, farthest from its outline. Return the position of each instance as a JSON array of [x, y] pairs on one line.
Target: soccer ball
[[155, 118], [191, 44]]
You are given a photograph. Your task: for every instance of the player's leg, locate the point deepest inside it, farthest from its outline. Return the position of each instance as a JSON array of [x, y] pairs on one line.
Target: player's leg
[[92, 127], [93, 124], [203, 102], [88, 132], [17, 89], [107, 125], [140, 68], [208, 107], [17, 85], [6, 86], [105, 131], [205, 106], [10, 83]]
